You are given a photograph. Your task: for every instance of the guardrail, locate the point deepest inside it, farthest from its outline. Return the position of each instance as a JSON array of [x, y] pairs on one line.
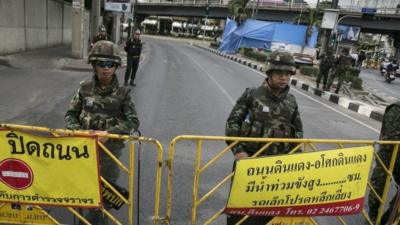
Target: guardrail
[[265, 4]]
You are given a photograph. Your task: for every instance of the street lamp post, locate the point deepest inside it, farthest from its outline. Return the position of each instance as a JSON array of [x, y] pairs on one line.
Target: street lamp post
[[336, 27]]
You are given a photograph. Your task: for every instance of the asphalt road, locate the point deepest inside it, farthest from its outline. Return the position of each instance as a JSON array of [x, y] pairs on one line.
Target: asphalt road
[[374, 80], [180, 89]]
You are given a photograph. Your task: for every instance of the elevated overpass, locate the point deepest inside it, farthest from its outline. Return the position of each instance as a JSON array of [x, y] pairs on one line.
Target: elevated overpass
[[386, 20]]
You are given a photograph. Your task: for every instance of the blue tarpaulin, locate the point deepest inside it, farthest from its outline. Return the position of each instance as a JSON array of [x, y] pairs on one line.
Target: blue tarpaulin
[[260, 34]]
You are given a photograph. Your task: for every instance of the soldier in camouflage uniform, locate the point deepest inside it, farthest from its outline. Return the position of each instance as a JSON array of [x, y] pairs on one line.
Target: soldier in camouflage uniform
[[342, 64], [101, 36], [266, 111], [390, 131], [100, 104], [325, 65]]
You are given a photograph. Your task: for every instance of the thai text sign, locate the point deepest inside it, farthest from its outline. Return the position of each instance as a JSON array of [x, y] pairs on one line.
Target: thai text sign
[[24, 214], [59, 171], [308, 184]]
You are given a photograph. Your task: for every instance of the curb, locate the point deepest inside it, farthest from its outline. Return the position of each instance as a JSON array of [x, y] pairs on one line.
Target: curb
[[355, 106]]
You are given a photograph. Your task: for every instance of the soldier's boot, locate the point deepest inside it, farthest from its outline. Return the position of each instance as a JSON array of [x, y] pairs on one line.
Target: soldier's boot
[[132, 83], [318, 85], [337, 91]]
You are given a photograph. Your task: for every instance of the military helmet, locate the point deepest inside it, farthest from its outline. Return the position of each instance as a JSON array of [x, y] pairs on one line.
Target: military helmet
[[104, 51], [137, 31], [102, 28], [279, 60]]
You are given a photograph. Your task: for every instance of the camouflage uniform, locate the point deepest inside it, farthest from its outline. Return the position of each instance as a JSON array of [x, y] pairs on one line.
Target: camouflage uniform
[[110, 109], [325, 65], [260, 113], [390, 131], [101, 36], [342, 64]]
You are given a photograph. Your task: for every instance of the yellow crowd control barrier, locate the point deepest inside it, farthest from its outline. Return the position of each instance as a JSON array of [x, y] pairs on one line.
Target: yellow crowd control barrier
[[28, 163], [209, 151]]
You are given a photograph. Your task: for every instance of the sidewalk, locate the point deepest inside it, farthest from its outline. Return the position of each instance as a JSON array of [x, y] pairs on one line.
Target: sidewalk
[[55, 58], [308, 84]]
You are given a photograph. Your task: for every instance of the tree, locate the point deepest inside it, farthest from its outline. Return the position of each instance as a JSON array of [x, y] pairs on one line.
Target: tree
[[312, 18], [237, 8]]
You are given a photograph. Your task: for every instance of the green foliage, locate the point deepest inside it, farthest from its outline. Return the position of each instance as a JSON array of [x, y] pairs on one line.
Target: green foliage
[[353, 72], [312, 17], [214, 45], [309, 71], [238, 9], [258, 56], [356, 83]]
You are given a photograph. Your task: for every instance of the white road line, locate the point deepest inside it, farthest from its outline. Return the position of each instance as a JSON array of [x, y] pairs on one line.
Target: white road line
[[211, 77], [313, 99]]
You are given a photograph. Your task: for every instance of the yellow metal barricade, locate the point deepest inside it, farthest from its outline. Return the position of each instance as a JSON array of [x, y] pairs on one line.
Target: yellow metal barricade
[[201, 165], [28, 212]]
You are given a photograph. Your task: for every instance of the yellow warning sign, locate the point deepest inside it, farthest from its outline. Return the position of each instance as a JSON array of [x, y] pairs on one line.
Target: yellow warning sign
[[292, 221], [24, 214], [309, 184], [49, 170]]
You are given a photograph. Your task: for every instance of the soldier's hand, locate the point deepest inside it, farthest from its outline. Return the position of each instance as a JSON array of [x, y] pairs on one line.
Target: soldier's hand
[[241, 155], [102, 139]]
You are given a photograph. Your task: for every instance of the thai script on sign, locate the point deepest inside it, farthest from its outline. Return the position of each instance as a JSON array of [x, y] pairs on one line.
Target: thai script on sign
[[18, 146], [5, 196], [279, 167]]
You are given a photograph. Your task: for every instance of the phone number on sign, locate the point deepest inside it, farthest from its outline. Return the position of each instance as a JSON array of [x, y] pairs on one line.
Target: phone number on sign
[[333, 210]]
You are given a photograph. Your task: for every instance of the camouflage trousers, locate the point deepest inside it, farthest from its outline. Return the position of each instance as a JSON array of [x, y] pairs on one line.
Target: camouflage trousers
[[378, 180], [323, 74], [340, 75], [109, 170]]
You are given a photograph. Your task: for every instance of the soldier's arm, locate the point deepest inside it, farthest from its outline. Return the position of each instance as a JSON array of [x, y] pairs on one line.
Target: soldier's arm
[[296, 123], [71, 117], [141, 47], [131, 121], [126, 46], [235, 119]]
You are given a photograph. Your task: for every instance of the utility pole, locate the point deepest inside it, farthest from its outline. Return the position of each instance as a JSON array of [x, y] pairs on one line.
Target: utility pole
[[205, 22], [78, 31], [95, 17]]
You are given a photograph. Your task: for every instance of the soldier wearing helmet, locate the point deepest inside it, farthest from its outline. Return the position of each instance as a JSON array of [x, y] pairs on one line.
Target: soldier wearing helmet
[[266, 111], [341, 65], [100, 104], [326, 62], [133, 48], [101, 35]]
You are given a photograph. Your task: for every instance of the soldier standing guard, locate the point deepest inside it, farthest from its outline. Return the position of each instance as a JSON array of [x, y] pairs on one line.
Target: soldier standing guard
[[103, 106], [390, 130], [342, 64], [325, 65], [133, 49], [266, 111]]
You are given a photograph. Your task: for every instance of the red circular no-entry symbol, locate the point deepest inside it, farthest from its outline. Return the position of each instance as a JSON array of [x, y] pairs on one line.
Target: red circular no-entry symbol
[[16, 174]]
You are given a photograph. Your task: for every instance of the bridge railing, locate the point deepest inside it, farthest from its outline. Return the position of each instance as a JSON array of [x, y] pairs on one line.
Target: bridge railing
[[383, 9]]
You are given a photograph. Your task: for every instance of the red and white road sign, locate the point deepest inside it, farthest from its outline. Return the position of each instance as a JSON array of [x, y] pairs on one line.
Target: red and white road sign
[[16, 174]]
